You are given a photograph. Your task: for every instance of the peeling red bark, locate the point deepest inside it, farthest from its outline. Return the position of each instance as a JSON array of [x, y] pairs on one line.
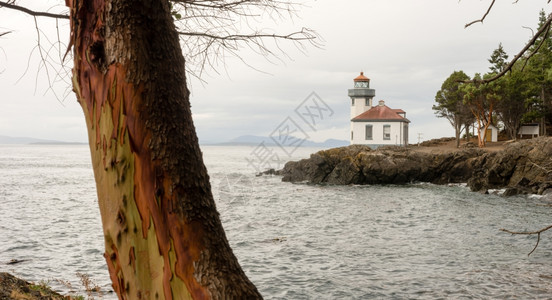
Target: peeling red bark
[[128, 66]]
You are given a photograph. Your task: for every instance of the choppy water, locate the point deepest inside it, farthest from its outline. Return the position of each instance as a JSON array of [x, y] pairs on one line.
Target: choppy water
[[295, 241]]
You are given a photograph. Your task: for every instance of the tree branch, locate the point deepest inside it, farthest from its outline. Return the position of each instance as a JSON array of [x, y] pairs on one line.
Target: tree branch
[[538, 233], [213, 30], [484, 16], [296, 36], [4, 33], [222, 5], [31, 12], [538, 47], [544, 28]]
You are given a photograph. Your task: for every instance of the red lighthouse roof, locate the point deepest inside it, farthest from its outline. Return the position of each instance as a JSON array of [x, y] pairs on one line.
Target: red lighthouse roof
[[381, 112], [361, 77]]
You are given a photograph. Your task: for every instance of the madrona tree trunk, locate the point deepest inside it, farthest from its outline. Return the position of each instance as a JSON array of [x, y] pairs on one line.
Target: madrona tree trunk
[[457, 130], [163, 235]]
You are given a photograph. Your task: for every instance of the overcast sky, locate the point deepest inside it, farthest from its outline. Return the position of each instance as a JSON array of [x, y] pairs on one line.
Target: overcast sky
[[407, 48]]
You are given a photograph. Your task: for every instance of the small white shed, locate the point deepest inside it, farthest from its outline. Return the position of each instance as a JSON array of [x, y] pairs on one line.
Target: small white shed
[[492, 134], [531, 129]]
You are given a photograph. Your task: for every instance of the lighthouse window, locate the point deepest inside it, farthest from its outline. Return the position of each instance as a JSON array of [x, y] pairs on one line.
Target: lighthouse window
[[352, 101], [368, 132], [386, 132]]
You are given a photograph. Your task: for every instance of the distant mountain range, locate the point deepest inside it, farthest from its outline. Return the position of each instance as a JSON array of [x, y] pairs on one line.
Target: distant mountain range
[[247, 140], [27, 140], [255, 140]]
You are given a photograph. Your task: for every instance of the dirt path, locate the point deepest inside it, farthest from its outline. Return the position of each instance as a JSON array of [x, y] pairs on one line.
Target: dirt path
[[445, 145]]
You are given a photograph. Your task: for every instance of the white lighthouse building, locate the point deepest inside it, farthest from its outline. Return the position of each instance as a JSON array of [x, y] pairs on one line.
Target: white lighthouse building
[[376, 125]]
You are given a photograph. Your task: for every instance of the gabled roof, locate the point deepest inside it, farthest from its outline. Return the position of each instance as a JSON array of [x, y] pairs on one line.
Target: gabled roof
[[381, 113]]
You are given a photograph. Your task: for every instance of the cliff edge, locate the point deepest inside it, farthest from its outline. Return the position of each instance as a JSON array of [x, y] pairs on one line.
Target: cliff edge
[[521, 167]]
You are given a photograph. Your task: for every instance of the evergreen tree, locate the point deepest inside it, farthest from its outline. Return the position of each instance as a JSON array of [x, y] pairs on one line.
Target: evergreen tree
[[512, 89], [498, 59], [450, 103], [538, 74], [511, 108]]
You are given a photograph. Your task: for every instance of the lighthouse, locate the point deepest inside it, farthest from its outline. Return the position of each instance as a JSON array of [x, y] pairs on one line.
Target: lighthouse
[[377, 125], [361, 95]]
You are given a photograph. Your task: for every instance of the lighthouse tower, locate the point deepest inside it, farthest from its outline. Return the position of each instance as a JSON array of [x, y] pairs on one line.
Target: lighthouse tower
[[361, 95], [376, 125]]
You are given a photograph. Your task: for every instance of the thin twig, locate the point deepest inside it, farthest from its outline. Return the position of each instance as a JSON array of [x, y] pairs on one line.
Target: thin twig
[[484, 16], [295, 36], [544, 38], [32, 12], [538, 233], [211, 31], [532, 31]]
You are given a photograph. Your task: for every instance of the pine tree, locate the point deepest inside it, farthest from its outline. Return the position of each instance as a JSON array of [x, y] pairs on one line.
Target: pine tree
[[498, 60]]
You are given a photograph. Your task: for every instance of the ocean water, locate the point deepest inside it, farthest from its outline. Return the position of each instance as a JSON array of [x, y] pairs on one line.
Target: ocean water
[[295, 241]]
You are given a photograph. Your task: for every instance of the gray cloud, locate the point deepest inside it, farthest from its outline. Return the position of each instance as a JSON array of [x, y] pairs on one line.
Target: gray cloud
[[407, 48]]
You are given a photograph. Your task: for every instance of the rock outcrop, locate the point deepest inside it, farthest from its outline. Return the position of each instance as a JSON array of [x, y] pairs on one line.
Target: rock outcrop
[[522, 167], [12, 287]]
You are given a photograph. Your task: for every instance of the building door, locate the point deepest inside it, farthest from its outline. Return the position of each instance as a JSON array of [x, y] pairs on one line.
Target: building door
[[489, 135]]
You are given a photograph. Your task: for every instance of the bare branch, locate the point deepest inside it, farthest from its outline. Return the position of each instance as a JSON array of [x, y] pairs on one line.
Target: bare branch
[[31, 12], [538, 233], [4, 33], [532, 31], [212, 31], [537, 48], [484, 16], [47, 51], [213, 4], [296, 36], [542, 30]]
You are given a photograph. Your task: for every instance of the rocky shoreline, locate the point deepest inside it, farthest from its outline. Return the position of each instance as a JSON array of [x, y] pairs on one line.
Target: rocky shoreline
[[12, 287], [523, 167]]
